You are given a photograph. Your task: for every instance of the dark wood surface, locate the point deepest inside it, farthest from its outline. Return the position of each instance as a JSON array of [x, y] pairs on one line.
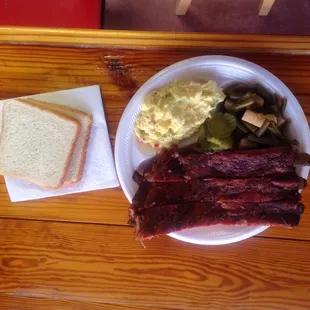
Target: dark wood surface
[[77, 252]]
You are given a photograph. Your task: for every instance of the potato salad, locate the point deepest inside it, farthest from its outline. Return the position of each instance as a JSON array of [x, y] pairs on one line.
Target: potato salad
[[176, 111]]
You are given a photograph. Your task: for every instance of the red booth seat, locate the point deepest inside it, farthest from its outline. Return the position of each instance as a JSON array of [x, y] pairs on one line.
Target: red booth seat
[[51, 13]]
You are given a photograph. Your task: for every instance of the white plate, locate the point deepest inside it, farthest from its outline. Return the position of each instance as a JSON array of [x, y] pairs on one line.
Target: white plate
[[224, 70]]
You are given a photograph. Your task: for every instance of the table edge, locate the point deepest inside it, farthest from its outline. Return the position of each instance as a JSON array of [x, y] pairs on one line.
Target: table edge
[[147, 39]]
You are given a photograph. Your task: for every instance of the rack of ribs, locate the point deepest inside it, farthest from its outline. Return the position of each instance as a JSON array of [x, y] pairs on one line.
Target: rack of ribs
[[237, 187]]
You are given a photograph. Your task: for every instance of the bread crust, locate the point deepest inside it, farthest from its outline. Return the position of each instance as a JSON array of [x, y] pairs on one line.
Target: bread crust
[[82, 162], [68, 161]]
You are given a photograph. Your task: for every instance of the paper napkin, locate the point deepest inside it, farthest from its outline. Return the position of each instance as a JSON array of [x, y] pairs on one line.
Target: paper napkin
[[99, 170]]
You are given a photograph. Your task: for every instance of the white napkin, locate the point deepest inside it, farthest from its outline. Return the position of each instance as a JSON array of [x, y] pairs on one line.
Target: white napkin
[[99, 170]]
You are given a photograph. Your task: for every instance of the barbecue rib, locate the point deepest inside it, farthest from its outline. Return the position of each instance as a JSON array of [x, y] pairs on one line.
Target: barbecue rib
[[170, 166], [237, 187], [212, 189], [166, 167], [276, 161], [170, 218]]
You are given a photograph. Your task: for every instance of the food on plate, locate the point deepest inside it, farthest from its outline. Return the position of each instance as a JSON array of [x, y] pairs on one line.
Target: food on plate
[[262, 120], [240, 170], [245, 116], [255, 117], [221, 125], [185, 189], [75, 170], [43, 143], [215, 144], [170, 218], [276, 161], [173, 164], [215, 133], [176, 111], [217, 189]]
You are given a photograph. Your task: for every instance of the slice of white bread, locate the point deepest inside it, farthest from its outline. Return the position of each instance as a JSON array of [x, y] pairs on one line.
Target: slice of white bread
[[36, 144], [76, 167]]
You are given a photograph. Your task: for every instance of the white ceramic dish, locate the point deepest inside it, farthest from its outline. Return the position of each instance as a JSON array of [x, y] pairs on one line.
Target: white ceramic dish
[[224, 70]]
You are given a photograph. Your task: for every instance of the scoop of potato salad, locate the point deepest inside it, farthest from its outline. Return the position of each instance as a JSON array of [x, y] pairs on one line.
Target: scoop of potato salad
[[176, 111]]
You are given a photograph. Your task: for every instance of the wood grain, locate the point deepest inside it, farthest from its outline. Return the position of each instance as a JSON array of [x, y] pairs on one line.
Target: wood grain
[[9, 302], [66, 265], [26, 70], [95, 263], [111, 207], [147, 39]]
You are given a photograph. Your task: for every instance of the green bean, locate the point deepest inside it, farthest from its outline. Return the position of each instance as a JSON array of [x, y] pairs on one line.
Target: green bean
[[263, 129], [230, 106], [246, 96], [258, 100], [244, 104], [235, 95], [262, 91], [274, 99], [279, 101], [237, 87], [249, 126], [275, 130], [265, 140], [282, 123], [242, 128], [283, 106]]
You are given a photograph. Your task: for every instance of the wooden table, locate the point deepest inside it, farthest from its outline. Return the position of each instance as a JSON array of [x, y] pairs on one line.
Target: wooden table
[[77, 252]]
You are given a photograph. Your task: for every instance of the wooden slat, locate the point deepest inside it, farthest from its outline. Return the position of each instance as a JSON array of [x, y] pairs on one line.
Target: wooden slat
[[109, 206], [8, 302], [98, 263], [27, 70], [265, 7], [182, 6], [142, 39]]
